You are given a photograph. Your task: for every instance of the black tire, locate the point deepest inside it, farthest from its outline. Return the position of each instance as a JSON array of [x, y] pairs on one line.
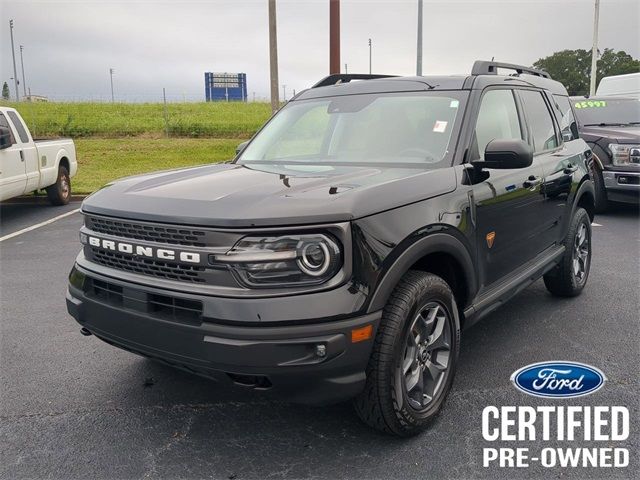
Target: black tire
[[60, 192], [570, 276], [385, 404], [601, 201]]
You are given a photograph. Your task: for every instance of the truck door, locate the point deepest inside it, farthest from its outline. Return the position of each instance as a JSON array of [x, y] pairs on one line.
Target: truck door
[[28, 151], [508, 201], [13, 174]]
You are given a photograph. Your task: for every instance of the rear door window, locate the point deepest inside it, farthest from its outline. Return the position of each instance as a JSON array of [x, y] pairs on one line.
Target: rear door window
[[17, 123], [568, 126], [539, 119]]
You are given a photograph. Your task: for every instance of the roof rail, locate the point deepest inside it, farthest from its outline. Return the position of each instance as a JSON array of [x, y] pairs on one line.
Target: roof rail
[[347, 77], [483, 67]]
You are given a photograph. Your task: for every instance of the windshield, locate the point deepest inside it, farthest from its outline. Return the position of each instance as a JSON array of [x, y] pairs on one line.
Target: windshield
[[369, 129], [621, 111]]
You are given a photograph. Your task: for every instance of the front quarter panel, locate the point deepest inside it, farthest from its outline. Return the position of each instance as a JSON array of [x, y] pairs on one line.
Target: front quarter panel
[[389, 243]]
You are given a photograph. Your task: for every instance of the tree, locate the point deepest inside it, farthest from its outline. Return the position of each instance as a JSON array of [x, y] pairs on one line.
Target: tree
[[573, 67], [5, 91]]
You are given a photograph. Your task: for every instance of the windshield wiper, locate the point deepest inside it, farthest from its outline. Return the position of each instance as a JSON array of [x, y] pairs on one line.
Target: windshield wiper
[[603, 124]]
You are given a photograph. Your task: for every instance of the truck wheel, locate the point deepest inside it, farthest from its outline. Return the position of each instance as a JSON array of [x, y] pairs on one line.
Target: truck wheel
[[414, 356], [601, 200], [570, 276], [60, 192]]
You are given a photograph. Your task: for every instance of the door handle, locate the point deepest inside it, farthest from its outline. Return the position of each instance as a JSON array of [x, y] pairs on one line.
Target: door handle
[[570, 169], [532, 182], [21, 156]]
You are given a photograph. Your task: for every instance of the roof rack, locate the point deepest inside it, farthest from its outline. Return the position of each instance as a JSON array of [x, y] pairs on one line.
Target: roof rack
[[483, 67], [347, 77]]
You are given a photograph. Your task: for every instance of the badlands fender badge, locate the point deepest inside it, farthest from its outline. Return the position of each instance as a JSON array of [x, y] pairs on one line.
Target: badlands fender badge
[[491, 236], [558, 379]]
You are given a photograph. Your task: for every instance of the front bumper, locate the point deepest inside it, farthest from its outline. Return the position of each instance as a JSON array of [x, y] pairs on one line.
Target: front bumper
[[312, 363], [622, 186]]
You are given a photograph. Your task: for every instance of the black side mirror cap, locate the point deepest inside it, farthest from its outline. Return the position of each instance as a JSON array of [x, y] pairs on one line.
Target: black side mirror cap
[[506, 155], [241, 147]]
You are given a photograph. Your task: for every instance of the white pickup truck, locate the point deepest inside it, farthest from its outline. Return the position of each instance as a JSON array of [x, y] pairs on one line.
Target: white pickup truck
[[27, 165]]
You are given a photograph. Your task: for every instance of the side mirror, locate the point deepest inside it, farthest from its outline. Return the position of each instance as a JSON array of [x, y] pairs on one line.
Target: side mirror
[[505, 155], [5, 138], [241, 147]]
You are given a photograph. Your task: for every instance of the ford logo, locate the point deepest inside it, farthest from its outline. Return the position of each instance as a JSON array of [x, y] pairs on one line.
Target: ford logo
[[558, 379]]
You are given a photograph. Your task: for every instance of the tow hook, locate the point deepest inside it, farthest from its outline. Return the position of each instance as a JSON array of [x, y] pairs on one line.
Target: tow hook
[[85, 332]]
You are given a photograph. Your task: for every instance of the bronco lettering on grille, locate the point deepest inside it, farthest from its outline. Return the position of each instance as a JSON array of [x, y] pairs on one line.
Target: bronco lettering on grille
[[140, 250]]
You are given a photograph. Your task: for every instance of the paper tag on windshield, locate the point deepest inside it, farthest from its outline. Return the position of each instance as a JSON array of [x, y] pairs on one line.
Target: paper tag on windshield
[[454, 104], [440, 126]]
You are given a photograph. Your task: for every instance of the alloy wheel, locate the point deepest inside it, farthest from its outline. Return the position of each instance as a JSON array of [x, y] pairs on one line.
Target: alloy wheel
[[427, 355], [581, 253]]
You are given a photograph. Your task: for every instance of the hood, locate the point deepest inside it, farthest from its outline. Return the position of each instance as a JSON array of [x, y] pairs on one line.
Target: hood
[[630, 134], [233, 195]]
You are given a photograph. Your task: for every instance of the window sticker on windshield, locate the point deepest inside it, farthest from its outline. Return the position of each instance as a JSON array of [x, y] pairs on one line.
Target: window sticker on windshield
[[440, 126], [590, 104], [454, 104]]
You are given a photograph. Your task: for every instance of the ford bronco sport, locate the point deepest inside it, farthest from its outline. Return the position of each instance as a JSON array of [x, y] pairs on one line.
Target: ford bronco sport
[[342, 251]]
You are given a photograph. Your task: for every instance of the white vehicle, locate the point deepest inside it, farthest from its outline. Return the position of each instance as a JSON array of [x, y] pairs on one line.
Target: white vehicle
[[620, 85], [27, 165]]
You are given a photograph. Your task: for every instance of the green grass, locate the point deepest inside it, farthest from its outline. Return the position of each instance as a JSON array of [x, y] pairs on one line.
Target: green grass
[[111, 120], [103, 160]]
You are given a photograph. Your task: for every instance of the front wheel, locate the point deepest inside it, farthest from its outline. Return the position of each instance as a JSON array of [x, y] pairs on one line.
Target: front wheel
[[413, 362], [570, 276], [60, 192]]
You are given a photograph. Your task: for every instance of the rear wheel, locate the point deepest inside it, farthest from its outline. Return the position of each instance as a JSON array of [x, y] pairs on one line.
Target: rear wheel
[[60, 192], [413, 362], [570, 276]]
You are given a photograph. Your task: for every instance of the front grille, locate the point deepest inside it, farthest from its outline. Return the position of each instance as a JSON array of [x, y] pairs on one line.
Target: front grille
[[145, 266], [160, 306], [175, 235]]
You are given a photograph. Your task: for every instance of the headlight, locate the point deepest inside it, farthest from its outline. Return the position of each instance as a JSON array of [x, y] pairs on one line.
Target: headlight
[[622, 155], [284, 261]]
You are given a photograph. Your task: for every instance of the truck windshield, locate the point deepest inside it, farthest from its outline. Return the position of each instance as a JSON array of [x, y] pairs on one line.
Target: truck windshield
[[607, 111], [370, 129]]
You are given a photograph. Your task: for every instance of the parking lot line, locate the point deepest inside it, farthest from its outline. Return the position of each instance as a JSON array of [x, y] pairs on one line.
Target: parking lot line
[[38, 225]]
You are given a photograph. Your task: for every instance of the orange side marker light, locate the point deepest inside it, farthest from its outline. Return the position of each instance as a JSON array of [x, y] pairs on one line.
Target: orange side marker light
[[361, 334]]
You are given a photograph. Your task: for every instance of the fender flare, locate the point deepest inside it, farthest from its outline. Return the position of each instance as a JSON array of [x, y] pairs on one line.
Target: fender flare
[[585, 187], [433, 243]]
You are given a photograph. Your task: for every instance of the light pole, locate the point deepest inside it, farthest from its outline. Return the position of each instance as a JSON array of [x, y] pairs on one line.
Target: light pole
[[594, 51], [346, 70], [334, 37], [273, 56], [24, 82], [111, 70], [284, 93], [419, 50], [13, 54], [369, 56]]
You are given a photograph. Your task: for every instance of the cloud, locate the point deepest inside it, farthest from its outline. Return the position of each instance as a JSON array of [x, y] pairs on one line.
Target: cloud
[[70, 46]]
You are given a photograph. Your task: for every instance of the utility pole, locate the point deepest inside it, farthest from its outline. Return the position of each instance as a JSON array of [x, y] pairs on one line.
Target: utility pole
[[369, 56], [24, 82], [111, 70], [15, 71], [594, 51], [419, 52], [273, 56], [284, 93], [334, 36]]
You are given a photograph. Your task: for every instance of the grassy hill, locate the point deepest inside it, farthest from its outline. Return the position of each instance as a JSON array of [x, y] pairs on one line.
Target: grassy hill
[[114, 140], [109, 120]]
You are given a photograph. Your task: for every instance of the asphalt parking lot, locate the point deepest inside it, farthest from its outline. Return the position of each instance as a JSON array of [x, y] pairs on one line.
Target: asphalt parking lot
[[74, 407]]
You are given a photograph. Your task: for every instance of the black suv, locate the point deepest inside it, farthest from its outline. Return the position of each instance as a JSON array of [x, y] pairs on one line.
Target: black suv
[[611, 127], [342, 251]]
